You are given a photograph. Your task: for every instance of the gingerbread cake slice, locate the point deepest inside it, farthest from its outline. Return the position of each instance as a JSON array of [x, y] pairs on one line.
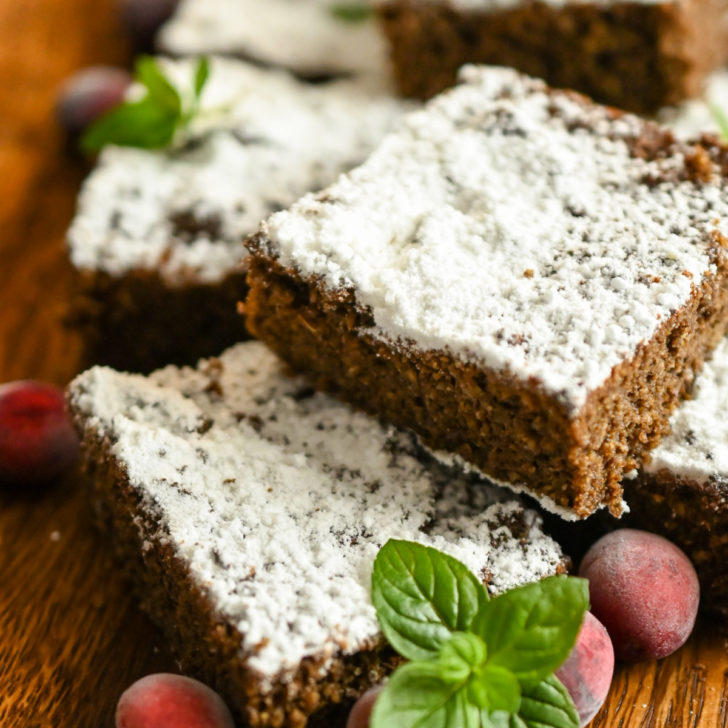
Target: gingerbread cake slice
[[157, 236], [524, 278], [248, 510], [311, 38], [638, 55], [682, 493]]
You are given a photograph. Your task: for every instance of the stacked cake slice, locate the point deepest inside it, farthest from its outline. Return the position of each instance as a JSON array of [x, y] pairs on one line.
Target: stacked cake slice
[[521, 276], [249, 509], [635, 55], [311, 38], [527, 283], [157, 235]]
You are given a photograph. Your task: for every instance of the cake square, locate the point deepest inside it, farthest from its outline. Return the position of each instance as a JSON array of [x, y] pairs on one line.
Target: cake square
[[157, 235], [682, 493], [248, 510], [635, 55], [311, 38], [524, 278]]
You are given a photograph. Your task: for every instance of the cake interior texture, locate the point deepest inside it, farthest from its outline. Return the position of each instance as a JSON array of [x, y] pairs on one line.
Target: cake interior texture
[[157, 235], [248, 510], [522, 277], [633, 55]]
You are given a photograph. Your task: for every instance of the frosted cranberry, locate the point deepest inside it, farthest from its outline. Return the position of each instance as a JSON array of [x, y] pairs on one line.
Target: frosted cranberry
[[143, 18], [362, 710], [37, 440], [88, 94], [644, 590], [587, 672], [163, 700]]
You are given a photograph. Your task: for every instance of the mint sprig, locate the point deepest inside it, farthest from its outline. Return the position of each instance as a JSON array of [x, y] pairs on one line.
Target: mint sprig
[[476, 662], [351, 12], [154, 120], [720, 119]]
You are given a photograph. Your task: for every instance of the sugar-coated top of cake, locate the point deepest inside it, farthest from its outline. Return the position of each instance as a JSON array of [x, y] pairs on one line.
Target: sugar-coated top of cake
[[697, 447], [693, 117], [310, 37], [278, 499], [516, 227], [263, 140]]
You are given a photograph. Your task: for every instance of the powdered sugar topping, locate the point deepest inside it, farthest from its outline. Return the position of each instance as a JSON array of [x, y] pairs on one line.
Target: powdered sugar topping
[[305, 36], [514, 228], [279, 498], [262, 140], [697, 446]]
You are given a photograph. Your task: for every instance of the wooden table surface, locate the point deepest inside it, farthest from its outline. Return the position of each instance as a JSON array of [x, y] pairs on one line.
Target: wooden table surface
[[71, 637]]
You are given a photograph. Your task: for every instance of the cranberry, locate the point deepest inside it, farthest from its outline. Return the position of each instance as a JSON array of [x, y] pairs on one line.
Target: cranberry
[[644, 590], [362, 710], [88, 94], [587, 672], [171, 701], [37, 441]]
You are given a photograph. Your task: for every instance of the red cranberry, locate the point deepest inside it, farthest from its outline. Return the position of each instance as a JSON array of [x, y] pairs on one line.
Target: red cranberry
[[644, 590], [171, 701], [37, 441], [362, 710], [88, 94], [587, 672]]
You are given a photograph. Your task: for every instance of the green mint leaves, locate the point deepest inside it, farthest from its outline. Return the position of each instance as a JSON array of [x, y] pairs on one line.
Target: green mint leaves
[[422, 596], [476, 662], [351, 12], [720, 119], [152, 121]]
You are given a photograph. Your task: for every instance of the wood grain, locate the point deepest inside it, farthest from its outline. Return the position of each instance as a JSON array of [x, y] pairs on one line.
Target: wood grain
[[71, 637]]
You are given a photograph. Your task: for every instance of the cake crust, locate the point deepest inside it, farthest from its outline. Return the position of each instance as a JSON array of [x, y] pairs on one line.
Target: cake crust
[[248, 510], [157, 236], [638, 56], [569, 435], [138, 322], [513, 432]]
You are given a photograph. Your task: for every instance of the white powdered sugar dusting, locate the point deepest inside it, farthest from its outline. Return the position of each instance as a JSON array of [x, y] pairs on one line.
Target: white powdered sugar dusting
[[697, 447], [305, 36], [278, 499], [263, 139], [514, 228]]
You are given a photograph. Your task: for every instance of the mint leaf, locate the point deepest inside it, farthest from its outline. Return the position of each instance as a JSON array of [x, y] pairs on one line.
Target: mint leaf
[[720, 118], [494, 688], [422, 596], [351, 12], [202, 73], [531, 630], [547, 703], [152, 121], [417, 696], [159, 89], [459, 655], [141, 124]]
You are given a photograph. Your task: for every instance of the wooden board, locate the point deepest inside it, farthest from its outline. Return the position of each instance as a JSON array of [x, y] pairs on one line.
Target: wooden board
[[71, 638]]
